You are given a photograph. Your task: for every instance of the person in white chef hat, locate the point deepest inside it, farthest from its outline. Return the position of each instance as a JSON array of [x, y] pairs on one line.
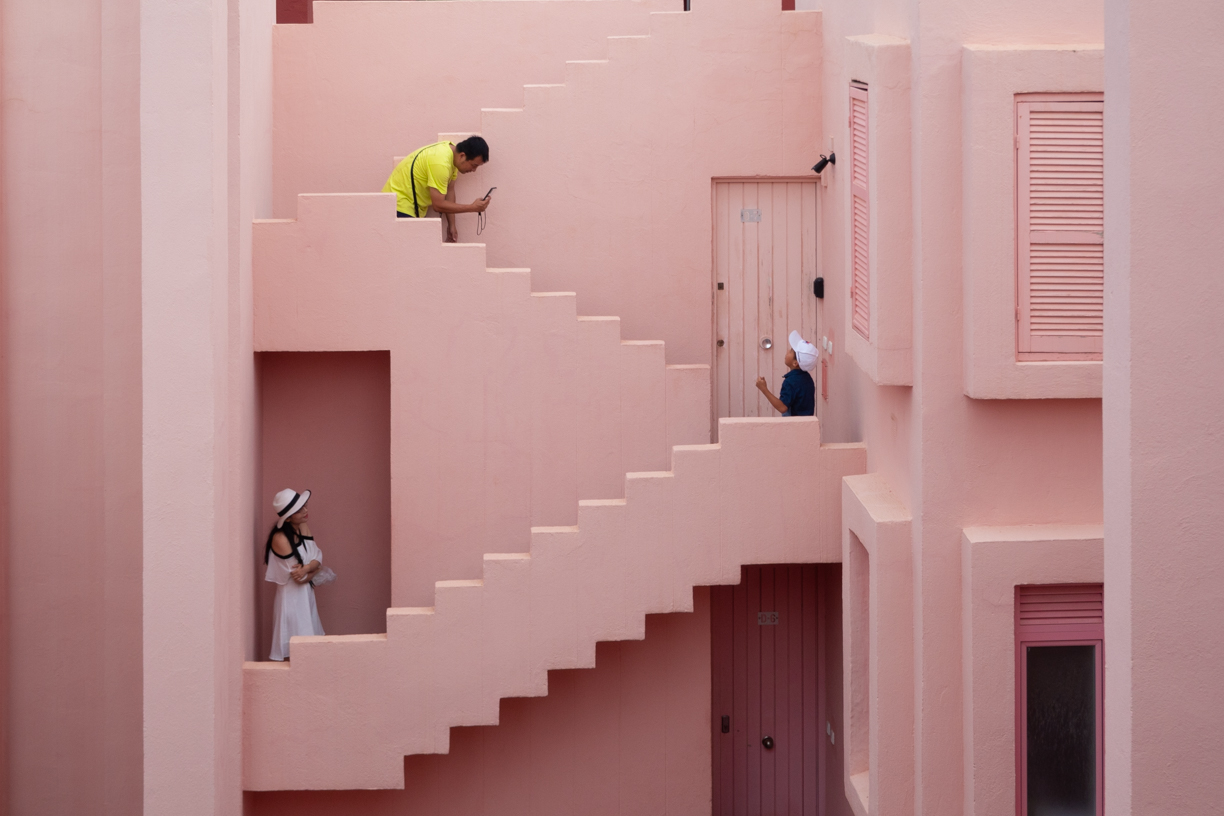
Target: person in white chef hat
[[798, 394]]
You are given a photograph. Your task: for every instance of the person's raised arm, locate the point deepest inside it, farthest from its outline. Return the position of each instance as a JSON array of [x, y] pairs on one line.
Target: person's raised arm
[[442, 205], [779, 406]]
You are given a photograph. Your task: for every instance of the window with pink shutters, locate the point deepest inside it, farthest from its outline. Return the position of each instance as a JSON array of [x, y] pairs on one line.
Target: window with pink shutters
[[860, 213], [1060, 632], [1060, 209]]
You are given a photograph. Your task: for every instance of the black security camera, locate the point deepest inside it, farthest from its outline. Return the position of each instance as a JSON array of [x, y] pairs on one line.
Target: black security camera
[[824, 162]]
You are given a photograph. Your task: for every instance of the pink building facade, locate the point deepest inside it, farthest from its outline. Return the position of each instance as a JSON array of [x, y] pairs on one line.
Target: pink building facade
[[584, 566]]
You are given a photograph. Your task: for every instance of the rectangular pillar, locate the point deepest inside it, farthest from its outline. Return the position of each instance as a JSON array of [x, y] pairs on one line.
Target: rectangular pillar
[[1163, 391]]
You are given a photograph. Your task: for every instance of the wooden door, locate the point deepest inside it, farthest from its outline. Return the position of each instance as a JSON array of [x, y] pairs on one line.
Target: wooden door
[[764, 266], [767, 718]]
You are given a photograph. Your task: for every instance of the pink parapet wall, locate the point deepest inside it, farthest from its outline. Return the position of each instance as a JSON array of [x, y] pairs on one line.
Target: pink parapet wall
[[348, 100], [506, 406], [630, 736], [623, 142], [768, 493]]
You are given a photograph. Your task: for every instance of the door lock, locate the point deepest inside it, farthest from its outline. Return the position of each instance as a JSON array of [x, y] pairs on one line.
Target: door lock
[[767, 743]]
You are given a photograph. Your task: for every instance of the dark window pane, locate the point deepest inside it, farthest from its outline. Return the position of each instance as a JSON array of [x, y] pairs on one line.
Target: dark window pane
[[1061, 730]]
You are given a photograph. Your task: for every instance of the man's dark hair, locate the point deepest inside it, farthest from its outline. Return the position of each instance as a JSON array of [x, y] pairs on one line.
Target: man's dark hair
[[473, 147]]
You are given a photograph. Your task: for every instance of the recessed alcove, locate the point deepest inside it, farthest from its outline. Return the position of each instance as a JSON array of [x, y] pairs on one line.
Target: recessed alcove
[[325, 426]]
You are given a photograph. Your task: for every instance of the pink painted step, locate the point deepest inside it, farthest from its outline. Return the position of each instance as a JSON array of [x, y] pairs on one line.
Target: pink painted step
[[333, 125], [649, 119], [768, 493], [507, 407]]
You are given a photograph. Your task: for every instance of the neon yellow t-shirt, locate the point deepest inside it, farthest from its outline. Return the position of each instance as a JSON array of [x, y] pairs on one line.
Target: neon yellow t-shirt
[[435, 168]]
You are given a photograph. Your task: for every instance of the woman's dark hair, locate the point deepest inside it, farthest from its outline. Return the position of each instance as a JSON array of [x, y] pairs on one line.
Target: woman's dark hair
[[473, 147], [292, 535]]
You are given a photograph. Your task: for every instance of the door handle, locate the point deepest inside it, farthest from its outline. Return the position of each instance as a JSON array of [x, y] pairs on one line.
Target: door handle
[[767, 743], [766, 343]]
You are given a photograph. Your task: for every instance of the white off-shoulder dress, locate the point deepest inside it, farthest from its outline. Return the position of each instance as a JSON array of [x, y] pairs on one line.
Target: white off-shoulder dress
[[294, 611]]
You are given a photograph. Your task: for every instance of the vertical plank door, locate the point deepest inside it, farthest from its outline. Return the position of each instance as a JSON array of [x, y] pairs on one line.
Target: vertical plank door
[[765, 692], [765, 262]]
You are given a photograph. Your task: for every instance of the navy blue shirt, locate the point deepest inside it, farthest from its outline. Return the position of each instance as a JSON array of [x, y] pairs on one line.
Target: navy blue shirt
[[799, 393]]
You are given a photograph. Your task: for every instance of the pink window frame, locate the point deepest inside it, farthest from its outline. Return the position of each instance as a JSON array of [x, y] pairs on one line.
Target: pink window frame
[[1055, 634], [1021, 207]]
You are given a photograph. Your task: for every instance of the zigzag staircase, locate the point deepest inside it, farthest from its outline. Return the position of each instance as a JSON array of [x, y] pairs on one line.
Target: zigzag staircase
[[519, 476], [348, 275], [768, 492]]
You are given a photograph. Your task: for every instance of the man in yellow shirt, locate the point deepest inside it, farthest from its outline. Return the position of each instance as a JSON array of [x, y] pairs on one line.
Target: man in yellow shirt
[[422, 181]]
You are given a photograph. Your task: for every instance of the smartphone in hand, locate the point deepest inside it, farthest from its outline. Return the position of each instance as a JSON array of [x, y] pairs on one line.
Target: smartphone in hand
[[491, 189]]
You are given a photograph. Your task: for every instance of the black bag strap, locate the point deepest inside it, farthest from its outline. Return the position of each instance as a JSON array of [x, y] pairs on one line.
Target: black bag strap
[[295, 541], [416, 205]]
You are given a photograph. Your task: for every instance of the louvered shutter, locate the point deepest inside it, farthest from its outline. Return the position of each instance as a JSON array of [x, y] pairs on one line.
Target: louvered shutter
[[860, 221], [1060, 712], [1053, 612], [1060, 227]]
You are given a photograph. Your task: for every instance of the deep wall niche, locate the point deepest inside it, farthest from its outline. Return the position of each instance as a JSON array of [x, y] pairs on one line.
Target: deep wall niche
[[325, 426]]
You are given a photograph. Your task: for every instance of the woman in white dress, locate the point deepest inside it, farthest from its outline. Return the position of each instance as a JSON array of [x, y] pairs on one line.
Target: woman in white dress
[[292, 558]]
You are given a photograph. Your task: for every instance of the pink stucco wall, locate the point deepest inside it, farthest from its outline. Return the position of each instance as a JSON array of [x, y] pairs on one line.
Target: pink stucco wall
[[138, 148], [507, 407], [125, 608], [571, 160], [72, 468], [350, 66], [995, 560], [878, 571], [952, 460], [205, 174], [380, 697], [1164, 382], [629, 736]]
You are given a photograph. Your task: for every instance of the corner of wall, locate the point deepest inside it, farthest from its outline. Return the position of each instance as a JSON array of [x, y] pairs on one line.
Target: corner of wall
[[874, 517], [994, 561], [883, 62]]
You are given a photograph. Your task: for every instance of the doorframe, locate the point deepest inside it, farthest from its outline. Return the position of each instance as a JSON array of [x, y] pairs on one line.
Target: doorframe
[[820, 322]]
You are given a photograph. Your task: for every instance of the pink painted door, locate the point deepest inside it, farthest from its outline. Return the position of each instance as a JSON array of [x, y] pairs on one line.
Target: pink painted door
[[767, 716], [764, 266]]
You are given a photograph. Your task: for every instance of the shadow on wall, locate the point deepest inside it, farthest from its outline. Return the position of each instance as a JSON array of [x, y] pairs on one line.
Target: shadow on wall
[[325, 426]]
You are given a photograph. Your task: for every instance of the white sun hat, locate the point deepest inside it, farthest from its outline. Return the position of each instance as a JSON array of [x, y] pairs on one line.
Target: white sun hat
[[805, 353], [287, 502]]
